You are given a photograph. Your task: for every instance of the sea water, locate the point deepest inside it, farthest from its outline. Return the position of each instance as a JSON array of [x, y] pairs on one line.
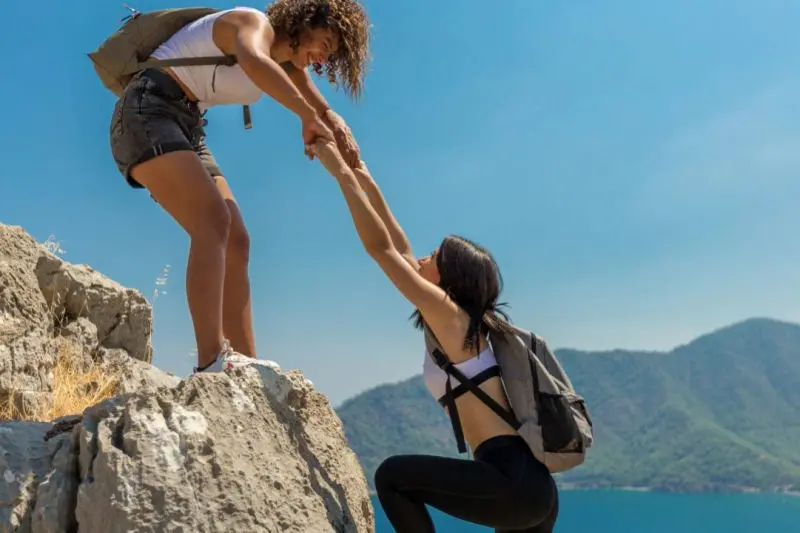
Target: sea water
[[608, 511]]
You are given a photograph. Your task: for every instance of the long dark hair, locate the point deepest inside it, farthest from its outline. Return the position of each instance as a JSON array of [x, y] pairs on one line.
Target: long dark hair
[[470, 276]]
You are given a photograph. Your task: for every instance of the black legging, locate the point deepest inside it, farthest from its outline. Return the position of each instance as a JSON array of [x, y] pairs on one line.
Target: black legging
[[505, 487]]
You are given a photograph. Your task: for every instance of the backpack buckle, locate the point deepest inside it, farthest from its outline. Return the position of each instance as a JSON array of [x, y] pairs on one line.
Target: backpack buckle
[[134, 13]]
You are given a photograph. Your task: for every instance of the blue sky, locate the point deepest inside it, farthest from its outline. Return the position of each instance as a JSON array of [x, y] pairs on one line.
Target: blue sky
[[633, 166]]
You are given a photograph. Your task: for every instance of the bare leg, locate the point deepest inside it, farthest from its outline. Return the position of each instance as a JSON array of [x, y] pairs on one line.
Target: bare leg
[[181, 185], [237, 315]]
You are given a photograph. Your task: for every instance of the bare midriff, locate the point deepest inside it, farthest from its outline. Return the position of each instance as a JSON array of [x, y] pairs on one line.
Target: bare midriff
[[478, 421]]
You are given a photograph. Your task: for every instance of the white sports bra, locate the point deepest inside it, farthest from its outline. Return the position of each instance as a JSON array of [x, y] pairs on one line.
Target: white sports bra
[[211, 84], [478, 368]]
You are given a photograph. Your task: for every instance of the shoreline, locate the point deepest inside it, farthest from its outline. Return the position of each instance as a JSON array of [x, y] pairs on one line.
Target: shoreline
[[623, 488], [727, 490]]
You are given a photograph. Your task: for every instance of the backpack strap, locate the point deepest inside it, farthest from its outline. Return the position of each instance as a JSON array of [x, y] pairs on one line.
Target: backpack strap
[[227, 60], [537, 393], [449, 401], [467, 384], [445, 364], [491, 372]]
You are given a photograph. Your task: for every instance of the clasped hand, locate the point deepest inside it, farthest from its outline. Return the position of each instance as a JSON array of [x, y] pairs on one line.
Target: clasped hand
[[331, 158], [332, 128]]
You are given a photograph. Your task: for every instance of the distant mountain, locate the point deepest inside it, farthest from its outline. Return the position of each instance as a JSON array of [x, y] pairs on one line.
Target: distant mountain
[[721, 413]]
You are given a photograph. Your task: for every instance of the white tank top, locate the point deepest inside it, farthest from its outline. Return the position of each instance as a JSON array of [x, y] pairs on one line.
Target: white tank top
[[436, 378], [211, 84]]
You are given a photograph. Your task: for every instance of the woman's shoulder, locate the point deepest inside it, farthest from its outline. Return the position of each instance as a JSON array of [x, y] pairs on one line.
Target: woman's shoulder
[[244, 10], [451, 334], [258, 12]]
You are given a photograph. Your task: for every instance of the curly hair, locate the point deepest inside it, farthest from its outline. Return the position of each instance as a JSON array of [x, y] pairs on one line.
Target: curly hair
[[347, 66]]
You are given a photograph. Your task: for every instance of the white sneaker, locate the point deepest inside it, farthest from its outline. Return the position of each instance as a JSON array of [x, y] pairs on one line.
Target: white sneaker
[[229, 359]]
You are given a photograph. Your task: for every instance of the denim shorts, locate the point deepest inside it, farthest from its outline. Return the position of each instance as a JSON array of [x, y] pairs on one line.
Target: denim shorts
[[154, 116]]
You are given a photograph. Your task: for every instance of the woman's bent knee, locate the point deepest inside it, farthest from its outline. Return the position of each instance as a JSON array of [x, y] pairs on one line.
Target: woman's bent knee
[[239, 238], [181, 185], [238, 242], [385, 476], [217, 227]]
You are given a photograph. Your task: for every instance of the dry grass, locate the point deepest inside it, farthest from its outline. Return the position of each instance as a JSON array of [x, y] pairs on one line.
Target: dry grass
[[76, 386]]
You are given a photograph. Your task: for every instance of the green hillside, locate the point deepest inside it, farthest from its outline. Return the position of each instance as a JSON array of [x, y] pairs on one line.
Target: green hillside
[[721, 413]]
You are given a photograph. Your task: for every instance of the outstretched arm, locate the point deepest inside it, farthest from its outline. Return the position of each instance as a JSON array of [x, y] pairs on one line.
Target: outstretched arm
[[344, 137], [350, 152], [430, 299], [302, 80], [376, 199], [249, 37]]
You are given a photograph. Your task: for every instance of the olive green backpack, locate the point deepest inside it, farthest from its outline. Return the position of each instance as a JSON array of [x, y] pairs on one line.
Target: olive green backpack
[[128, 50]]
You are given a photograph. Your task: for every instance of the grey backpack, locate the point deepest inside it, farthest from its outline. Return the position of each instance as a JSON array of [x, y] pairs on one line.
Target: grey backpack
[[545, 409]]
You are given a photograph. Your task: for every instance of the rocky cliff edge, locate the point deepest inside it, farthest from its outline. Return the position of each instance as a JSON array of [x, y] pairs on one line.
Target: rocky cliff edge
[[252, 450]]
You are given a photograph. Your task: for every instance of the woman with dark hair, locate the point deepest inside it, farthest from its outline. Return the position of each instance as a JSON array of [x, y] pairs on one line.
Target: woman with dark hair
[[455, 291], [158, 141]]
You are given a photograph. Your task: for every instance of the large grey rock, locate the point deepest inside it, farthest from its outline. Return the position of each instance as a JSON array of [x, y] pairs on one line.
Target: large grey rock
[[54, 511], [39, 476], [23, 463], [27, 352], [253, 450], [134, 375], [42, 298], [121, 316], [82, 335], [256, 450]]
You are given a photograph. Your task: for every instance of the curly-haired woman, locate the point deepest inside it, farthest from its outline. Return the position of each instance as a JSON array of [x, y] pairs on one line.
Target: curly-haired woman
[[158, 142]]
